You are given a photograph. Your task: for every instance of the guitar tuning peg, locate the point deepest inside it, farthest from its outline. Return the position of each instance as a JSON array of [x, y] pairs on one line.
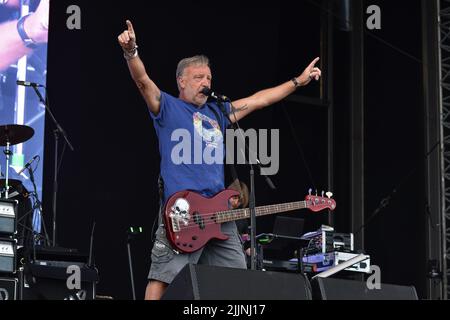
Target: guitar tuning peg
[[309, 191], [329, 194], [316, 192], [323, 193]]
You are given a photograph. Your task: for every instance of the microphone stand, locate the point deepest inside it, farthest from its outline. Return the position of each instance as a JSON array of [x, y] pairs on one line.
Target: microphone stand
[[252, 197], [39, 206], [131, 234], [58, 131], [252, 206]]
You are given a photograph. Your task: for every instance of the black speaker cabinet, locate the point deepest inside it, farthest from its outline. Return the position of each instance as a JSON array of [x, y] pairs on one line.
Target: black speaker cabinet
[[201, 282], [342, 289], [49, 282], [8, 288]]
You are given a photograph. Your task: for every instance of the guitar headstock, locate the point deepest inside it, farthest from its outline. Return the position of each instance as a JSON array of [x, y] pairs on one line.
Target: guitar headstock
[[318, 203]]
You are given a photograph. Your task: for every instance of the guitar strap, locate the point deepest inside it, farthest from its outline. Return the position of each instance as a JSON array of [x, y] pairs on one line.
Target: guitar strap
[[161, 193], [159, 218]]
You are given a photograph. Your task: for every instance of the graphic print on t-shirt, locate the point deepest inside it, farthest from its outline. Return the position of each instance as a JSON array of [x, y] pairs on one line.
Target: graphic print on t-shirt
[[208, 129]]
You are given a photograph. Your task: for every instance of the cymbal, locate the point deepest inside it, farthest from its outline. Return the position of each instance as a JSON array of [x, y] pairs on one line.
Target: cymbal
[[15, 134], [11, 182]]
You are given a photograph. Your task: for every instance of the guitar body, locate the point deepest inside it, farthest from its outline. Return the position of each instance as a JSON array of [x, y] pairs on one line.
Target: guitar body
[[190, 219]]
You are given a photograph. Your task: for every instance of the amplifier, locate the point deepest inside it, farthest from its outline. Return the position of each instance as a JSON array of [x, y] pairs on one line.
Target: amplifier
[[7, 255], [47, 280], [8, 214], [281, 265], [339, 242], [326, 240], [8, 288]]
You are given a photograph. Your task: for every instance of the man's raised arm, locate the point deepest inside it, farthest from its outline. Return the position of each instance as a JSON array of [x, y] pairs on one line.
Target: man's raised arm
[[148, 89], [266, 97]]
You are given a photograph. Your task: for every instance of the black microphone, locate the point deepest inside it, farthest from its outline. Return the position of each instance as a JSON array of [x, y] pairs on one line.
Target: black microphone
[[28, 164], [208, 92], [28, 84]]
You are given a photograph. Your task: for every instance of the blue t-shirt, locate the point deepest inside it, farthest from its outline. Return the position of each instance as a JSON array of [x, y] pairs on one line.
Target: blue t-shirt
[[191, 145]]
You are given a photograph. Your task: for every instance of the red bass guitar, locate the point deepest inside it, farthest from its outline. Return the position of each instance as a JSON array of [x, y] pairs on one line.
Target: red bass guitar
[[192, 220]]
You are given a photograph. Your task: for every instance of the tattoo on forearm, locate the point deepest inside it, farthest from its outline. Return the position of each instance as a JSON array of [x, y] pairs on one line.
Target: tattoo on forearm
[[244, 107]]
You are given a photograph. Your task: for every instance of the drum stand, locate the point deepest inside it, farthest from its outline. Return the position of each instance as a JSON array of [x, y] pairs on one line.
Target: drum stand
[[7, 153]]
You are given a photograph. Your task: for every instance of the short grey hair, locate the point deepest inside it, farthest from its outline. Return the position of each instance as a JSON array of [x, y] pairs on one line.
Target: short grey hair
[[198, 60]]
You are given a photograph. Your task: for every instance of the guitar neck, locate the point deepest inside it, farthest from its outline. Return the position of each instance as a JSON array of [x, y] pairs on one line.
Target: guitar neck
[[238, 214]]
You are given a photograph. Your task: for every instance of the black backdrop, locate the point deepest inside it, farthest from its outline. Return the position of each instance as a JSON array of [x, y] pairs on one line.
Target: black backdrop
[[111, 176]]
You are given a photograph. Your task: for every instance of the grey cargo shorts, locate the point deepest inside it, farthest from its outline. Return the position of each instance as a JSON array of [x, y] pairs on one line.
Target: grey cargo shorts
[[166, 263]]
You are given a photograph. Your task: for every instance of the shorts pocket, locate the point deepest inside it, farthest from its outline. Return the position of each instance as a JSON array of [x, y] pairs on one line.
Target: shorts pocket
[[161, 252]]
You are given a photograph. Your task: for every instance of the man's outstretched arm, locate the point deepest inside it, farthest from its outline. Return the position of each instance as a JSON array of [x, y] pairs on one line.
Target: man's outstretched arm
[[150, 92], [264, 98]]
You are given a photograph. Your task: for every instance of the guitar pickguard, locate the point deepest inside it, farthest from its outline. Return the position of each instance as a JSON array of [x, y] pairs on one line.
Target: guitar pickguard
[[179, 214]]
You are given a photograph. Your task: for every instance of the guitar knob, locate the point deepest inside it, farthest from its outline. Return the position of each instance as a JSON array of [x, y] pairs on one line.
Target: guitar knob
[[329, 194]]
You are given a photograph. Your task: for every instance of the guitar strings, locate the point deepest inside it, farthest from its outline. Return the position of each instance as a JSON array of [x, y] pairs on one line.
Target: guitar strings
[[208, 216]]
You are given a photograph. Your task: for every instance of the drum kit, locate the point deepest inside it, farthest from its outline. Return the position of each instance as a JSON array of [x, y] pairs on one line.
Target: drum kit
[[12, 190], [12, 134]]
